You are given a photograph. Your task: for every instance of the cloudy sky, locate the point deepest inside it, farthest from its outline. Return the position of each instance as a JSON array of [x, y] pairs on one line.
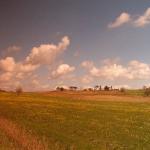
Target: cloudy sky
[[45, 43]]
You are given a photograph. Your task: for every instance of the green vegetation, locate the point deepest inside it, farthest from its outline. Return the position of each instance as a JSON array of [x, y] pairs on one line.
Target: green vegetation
[[80, 121]]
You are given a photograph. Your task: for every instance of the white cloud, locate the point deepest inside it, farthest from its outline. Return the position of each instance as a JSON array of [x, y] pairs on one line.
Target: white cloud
[[121, 20], [86, 79], [13, 48], [87, 64], [35, 82], [109, 61], [20, 75], [5, 77], [138, 70], [45, 54], [62, 70], [27, 67], [143, 20], [134, 70], [121, 86], [140, 21], [109, 71], [7, 64], [12, 71]]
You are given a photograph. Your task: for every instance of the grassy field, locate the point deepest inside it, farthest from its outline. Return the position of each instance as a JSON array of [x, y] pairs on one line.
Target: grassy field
[[75, 121]]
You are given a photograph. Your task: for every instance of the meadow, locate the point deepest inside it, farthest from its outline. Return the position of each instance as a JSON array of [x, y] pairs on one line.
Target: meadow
[[75, 121]]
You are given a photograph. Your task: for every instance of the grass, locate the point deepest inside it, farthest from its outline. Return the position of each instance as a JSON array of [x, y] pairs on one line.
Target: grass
[[21, 136], [82, 121], [6, 143]]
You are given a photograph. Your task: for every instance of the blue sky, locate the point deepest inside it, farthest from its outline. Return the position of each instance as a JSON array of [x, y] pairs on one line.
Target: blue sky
[[105, 43]]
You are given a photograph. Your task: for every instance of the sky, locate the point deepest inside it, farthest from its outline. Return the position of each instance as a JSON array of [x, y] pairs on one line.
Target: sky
[[49, 43]]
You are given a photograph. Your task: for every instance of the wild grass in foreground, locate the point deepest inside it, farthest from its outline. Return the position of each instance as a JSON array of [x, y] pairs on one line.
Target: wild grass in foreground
[[21, 137], [7, 143], [79, 121]]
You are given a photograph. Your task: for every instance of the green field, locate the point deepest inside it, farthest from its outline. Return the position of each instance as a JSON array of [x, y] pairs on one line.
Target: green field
[[78, 121]]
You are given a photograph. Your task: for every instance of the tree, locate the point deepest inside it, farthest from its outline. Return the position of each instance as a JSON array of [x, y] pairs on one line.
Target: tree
[[106, 88], [147, 92], [98, 88], [73, 88], [122, 90], [19, 90], [60, 88]]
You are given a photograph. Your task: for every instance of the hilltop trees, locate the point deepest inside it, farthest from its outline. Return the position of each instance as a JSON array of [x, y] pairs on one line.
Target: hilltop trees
[[73, 88], [60, 88], [95, 88]]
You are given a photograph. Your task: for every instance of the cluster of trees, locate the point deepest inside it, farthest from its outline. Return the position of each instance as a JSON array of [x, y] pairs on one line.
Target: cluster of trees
[[106, 88], [71, 88], [100, 88], [95, 88], [145, 90]]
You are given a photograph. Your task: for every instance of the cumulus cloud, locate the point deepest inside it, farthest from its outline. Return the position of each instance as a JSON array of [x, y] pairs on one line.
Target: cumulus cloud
[[139, 21], [27, 67], [87, 64], [143, 20], [11, 68], [45, 54], [62, 70], [4, 77], [20, 75], [7, 64], [109, 61], [35, 82], [138, 70], [13, 48], [109, 71], [121, 86], [121, 20], [134, 70], [86, 79]]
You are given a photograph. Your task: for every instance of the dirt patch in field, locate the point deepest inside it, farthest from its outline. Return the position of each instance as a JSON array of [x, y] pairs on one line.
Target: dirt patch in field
[[21, 137]]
